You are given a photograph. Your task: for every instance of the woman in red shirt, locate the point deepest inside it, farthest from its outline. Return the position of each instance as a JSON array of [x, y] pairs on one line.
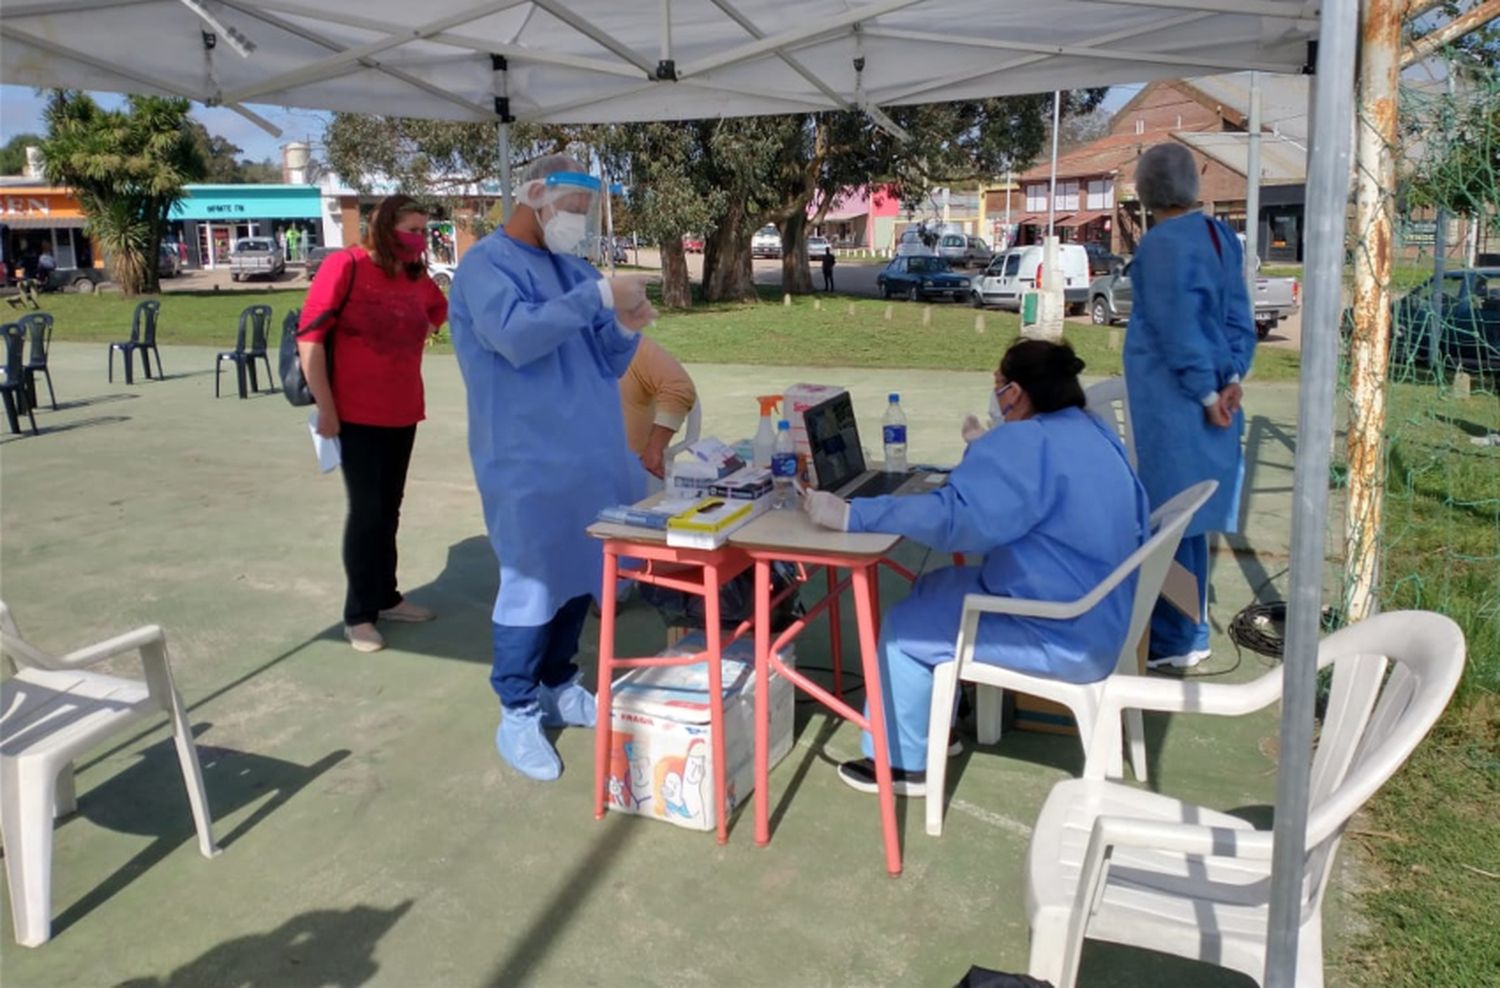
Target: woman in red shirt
[[377, 306]]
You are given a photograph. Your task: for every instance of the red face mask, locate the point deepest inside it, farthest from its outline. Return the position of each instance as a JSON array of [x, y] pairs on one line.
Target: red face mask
[[409, 245]]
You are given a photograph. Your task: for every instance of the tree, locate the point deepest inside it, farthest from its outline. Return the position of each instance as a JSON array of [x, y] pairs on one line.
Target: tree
[[220, 155], [666, 201], [128, 168], [13, 155], [947, 143]]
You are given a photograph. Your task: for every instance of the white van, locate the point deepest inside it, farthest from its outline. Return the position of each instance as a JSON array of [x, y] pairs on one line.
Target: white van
[[1019, 270]]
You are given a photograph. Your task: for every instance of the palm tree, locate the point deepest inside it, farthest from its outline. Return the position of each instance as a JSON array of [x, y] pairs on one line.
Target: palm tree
[[128, 168]]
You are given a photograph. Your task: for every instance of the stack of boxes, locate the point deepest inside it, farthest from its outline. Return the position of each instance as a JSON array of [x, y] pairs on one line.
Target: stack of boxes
[[794, 405]]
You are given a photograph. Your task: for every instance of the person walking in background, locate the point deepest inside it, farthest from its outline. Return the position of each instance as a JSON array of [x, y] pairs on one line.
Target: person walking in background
[[1188, 348], [656, 395], [377, 306], [828, 262], [542, 340]]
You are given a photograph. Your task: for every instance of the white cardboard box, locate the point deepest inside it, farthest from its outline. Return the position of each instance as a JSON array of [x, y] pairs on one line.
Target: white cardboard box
[[661, 750]]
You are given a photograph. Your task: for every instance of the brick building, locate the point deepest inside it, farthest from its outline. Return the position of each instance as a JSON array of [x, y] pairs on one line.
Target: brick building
[[1096, 200]]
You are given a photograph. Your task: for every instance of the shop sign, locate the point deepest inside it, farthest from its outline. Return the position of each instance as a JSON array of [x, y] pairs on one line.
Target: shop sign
[[25, 206]]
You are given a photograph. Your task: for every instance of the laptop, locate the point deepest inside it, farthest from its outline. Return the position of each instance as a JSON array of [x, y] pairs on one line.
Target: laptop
[[839, 459]]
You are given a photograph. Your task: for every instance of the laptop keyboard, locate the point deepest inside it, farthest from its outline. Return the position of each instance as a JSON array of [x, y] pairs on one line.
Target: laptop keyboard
[[880, 484]]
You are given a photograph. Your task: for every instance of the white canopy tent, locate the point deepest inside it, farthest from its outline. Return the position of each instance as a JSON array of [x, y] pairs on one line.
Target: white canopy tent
[[592, 61]]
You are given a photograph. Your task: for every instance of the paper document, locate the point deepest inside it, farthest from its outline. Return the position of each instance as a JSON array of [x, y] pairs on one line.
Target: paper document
[[327, 450]]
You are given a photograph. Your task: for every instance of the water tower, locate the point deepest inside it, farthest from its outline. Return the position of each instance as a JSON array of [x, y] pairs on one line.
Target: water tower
[[294, 161]]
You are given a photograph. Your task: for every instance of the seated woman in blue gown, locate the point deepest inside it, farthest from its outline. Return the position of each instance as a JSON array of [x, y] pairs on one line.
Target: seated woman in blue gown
[[1049, 501]]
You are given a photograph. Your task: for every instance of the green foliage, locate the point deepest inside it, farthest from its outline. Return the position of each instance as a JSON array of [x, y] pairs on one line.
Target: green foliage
[[13, 155], [1452, 145], [222, 161], [127, 167]]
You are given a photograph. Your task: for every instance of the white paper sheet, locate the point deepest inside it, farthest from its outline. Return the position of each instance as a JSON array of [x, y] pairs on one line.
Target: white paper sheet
[[327, 450]]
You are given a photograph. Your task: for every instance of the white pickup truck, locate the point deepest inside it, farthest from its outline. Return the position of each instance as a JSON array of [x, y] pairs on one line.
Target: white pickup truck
[[256, 256], [1275, 299]]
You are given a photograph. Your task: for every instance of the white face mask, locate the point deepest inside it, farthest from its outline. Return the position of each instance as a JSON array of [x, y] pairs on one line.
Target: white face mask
[[564, 232], [997, 417]]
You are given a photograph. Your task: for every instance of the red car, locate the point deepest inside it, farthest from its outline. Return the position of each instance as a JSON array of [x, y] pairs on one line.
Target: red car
[[692, 243]]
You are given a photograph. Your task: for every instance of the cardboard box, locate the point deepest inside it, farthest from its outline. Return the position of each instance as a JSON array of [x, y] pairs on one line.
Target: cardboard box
[[707, 462], [710, 522], [661, 746], [794, 405]]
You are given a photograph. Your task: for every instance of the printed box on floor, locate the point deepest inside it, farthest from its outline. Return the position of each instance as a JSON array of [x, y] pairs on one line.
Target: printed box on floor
[[661, 746]]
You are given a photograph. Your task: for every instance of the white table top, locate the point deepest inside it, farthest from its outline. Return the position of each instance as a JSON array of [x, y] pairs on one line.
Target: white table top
[[794, 531]]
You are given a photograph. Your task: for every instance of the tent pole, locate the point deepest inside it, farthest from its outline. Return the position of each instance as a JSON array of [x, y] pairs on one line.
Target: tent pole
[[1052, 193], [507, 200], [501, 70], [1327, 198], [1252, 190]]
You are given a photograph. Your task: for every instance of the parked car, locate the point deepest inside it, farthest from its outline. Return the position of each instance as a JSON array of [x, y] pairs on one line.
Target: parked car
[[1019, 270], [912, 244], [693, 243], [816, 246], [921, 277], [766, 242], [1275, 299], [168, 261], [315, 260], [1462, 319], [979, 254], [256, 256], [953, 248], [1102, 261], [441, 274]]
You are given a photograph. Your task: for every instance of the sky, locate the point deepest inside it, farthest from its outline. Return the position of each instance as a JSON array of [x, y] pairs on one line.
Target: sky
[[21, 112]]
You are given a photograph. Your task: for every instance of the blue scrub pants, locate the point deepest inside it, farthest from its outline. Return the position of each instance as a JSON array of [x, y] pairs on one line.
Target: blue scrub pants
[[906, 694], [526, 657], [1173, 632]]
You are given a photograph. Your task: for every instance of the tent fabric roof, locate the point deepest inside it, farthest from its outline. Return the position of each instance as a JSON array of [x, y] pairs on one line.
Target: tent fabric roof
[[1282, 162], [1283, 100], [586, 61]]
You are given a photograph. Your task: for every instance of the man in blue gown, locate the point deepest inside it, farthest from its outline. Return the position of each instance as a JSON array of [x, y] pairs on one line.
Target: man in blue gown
[[542, 340], [1190, 343]]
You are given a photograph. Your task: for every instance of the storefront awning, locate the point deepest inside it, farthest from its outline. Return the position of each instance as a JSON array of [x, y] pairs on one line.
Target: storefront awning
[[1083, 218], [42, 222], [234, 203]]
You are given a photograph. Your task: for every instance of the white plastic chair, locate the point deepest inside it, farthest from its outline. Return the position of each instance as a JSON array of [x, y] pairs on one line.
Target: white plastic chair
[[51, 711], [1112, 862], [1151, 561], [1108, 400], [690, 431]]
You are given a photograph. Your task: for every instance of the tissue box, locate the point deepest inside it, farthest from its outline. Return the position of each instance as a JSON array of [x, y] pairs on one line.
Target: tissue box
[[661, 743], [708, 460], [708, 524], [749, 484]]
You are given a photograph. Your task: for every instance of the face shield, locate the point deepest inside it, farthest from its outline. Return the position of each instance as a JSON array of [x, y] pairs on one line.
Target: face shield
[[567, 207]]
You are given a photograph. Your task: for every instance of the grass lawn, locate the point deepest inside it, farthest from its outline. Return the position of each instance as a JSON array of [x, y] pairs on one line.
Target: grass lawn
[[1430, 835], [766, 333]]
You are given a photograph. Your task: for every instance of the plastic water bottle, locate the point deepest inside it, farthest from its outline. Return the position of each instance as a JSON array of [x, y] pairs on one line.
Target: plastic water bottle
[[783, 467], [894, 431]]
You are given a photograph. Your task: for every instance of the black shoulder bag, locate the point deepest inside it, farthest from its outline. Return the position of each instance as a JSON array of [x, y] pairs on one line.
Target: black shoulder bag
[[293, 381]]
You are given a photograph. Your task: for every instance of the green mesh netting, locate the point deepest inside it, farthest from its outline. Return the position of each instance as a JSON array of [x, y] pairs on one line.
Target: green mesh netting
[[1437, 539]]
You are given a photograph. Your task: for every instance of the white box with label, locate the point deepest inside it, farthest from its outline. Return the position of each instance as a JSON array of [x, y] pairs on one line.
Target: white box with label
[[661, 752]]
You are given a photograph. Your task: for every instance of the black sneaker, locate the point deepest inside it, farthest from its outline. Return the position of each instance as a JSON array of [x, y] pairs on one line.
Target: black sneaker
[[860, 774]]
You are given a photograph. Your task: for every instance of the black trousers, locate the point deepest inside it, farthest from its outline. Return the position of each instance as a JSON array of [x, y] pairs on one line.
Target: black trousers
[[375, 459], [828, 279]]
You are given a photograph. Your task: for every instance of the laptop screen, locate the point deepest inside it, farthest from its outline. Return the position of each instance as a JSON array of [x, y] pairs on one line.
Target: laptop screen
[[833, 439]]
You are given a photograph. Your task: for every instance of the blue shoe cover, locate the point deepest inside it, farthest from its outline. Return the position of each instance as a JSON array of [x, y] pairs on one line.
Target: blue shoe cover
[[569, 705], [521, 743]]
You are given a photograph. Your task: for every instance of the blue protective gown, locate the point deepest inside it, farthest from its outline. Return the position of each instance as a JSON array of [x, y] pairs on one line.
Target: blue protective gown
[[1191, 333], [541, 358], [1052, 505]]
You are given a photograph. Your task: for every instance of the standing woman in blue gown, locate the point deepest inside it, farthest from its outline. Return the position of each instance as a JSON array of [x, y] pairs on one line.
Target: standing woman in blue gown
[[1188, 347]]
